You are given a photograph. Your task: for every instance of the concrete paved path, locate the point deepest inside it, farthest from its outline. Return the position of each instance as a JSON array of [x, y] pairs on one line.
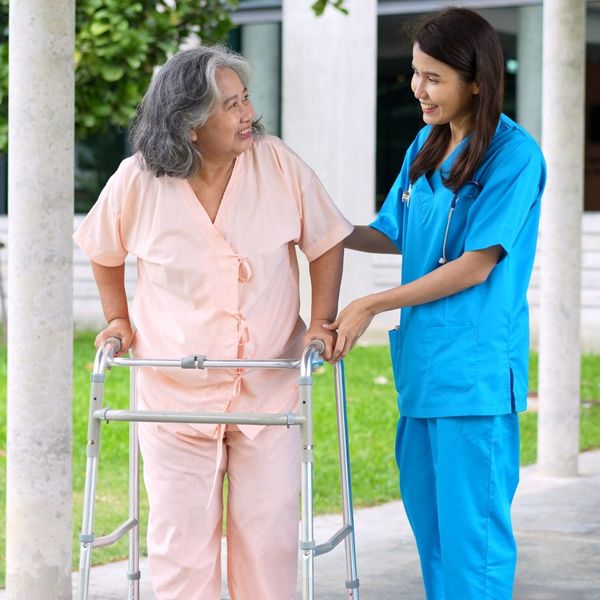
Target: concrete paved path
[[557, 524]]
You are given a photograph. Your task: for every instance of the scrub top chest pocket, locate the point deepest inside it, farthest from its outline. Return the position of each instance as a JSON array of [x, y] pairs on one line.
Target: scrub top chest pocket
[[422, 203]]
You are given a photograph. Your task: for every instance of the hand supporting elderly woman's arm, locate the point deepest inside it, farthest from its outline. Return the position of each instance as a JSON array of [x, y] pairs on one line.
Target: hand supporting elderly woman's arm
[[470, 269], [111, 287], [325, 279]]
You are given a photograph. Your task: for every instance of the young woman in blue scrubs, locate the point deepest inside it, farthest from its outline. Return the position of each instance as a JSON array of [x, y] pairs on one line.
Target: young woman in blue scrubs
[[464, 214]]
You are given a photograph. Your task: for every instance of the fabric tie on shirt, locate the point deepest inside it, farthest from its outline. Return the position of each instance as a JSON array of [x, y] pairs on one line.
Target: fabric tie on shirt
[[244, 270], [245, 344]]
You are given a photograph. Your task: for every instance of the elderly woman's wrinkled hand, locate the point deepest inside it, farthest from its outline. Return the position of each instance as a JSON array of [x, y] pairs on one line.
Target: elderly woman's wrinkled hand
[[118, 328], [315, 331]]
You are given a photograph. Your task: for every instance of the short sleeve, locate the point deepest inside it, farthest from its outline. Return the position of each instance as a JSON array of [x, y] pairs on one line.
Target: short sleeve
[[512, 185], [391, 215], [99, 236], [323, 225], [389, 219]]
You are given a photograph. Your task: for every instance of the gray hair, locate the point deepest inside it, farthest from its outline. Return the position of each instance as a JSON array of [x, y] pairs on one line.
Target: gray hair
[[181, 97]]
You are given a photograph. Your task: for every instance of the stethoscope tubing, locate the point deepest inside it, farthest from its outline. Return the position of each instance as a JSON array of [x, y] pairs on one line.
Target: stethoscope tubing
[[443, 259]]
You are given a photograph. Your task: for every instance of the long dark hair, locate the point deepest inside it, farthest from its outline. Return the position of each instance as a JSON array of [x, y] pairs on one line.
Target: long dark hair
[[466, 42]]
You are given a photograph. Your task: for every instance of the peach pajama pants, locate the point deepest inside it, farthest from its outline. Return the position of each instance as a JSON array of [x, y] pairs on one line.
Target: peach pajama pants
[[184, 534]]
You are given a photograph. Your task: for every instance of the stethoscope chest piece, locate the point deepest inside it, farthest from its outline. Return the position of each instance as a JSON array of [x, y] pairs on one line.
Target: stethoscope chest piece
[[406, 195]]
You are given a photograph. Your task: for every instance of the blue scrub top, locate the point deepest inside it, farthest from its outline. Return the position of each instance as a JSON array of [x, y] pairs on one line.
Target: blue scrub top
[[467, 354]]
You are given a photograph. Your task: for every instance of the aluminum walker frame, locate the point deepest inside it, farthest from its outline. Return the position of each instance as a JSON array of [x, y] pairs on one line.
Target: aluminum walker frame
[[105, 359]]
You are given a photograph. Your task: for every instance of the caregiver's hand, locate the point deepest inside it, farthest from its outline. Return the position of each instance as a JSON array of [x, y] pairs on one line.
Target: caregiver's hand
[[350, 324]]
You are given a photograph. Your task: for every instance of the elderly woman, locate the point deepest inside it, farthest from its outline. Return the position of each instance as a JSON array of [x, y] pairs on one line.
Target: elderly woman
[[213, 210]]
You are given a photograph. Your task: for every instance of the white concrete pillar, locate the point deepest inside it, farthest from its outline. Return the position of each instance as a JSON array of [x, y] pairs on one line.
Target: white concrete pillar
[[328, 110], [529, 75], [562, 206], [40, 332], [262, 48]]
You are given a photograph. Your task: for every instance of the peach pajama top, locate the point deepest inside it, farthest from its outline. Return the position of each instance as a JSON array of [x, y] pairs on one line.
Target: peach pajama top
[[227, 289]]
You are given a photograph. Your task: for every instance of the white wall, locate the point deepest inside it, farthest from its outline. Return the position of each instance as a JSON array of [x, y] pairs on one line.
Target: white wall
[[329, 124]]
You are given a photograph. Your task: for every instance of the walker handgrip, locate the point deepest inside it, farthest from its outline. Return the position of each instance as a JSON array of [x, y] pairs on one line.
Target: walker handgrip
[[318, 345], [115, 342]]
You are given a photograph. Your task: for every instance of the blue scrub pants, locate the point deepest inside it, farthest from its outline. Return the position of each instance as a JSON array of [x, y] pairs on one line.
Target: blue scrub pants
[[458, 476]]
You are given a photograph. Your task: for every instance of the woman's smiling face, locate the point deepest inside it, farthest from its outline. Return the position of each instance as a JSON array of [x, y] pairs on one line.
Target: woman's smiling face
[[443, 95], [228, 131]]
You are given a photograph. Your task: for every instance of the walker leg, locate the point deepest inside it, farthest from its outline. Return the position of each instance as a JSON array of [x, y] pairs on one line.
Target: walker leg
[[87, 536], [133, 574], [352, 582], [91, 472], [307, 539]]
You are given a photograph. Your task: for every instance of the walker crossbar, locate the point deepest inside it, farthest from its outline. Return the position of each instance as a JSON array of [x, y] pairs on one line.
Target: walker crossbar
[[196, 361], [287, 419], [115, 536], [105, 359], [333, 541]]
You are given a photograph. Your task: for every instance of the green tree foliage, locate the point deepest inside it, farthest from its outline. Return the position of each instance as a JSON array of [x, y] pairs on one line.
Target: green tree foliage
[[320, 5], [117, 45]]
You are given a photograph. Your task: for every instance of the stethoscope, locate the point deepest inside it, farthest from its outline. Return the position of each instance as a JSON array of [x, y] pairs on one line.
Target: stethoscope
[[406, 198]]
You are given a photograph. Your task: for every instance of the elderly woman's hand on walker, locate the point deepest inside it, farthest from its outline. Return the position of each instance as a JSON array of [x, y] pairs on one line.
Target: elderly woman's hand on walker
[[111, 282], [315, 332], [116, 328]]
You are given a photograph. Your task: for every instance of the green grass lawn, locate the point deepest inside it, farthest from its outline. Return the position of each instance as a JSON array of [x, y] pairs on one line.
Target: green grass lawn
[[372, 418]]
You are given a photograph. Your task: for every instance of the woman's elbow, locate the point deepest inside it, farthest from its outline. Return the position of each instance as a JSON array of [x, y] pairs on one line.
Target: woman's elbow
[[353, 240], [483, 263], [482, 272], [481, 276]]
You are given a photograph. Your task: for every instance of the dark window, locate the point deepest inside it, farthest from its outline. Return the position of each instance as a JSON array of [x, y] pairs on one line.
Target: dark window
[[594, 124], [96, 159]]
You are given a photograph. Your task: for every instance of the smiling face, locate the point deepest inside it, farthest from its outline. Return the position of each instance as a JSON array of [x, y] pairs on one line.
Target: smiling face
[[227, 133], [444, 96]]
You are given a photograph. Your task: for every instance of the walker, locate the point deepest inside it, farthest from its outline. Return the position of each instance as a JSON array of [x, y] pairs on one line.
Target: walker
[[98, 414]]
